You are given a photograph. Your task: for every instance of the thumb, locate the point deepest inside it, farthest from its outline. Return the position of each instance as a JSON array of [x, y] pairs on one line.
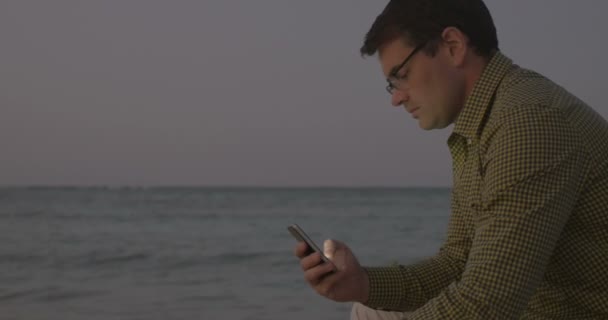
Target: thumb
[[330, 247]]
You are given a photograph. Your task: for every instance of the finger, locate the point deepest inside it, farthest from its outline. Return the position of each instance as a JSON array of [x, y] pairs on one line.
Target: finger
[[310, 261], [330, 269], [318, 274], [326, 286], [300, 249]]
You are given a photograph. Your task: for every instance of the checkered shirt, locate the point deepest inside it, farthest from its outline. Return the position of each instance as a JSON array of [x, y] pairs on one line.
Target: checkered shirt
[[528, 233]]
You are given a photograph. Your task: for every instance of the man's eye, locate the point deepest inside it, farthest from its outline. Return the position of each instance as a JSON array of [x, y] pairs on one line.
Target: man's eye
[[402, 76]]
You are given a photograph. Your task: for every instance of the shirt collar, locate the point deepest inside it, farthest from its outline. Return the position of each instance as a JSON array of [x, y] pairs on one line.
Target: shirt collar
[[477, 104]]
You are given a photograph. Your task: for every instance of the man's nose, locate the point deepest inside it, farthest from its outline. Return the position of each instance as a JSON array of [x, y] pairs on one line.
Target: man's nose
[[399, 97]]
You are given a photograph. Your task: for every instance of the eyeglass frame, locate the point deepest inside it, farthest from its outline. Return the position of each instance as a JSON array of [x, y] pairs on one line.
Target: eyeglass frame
[[392, 76]]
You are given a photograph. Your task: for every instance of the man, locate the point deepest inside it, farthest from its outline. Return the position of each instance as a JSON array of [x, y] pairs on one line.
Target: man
[[528, 236]]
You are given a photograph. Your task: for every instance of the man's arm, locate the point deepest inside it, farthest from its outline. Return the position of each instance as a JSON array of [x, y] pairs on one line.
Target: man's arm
[[532, 181], [407, 288]]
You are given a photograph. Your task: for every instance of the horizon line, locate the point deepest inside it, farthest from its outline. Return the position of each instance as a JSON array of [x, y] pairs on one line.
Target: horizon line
[[219, 186]]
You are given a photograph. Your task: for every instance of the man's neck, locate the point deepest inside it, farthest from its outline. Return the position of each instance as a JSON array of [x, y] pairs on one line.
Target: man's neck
[[474, 71]]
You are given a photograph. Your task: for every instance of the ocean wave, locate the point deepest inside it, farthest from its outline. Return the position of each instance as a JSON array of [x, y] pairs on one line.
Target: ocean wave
[[48, 294], [183, 263], [63, 295], [20, 258], [235, 257], [103, 261], [209, 298], [18, 294]]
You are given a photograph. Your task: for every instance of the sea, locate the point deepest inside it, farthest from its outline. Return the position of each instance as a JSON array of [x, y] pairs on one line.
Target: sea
[[196, 252]]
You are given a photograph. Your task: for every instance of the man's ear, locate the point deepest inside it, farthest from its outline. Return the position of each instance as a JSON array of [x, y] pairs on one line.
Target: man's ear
[[455, 43]]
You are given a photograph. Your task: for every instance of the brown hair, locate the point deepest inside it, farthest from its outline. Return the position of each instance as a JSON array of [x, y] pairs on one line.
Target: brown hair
[[423, 21]]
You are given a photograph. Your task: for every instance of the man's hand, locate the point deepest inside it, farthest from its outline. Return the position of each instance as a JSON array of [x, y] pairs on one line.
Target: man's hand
[[348, 283]]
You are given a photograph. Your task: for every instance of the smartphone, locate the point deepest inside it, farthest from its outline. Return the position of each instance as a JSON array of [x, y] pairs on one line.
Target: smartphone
[[300, 235]]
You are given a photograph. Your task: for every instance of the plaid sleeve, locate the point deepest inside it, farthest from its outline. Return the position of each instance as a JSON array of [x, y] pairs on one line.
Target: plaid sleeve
[[533, 176], [406, 288]]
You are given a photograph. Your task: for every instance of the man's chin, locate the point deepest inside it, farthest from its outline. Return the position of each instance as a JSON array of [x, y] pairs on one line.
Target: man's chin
[[430, 125], [425, 125]]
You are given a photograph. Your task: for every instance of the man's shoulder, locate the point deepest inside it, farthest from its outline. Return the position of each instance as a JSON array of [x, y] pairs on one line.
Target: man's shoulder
[[526, 87], [533, 106], [526, 91]]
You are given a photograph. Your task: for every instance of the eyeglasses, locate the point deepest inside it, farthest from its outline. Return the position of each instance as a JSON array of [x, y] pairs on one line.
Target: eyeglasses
[[396, 82]]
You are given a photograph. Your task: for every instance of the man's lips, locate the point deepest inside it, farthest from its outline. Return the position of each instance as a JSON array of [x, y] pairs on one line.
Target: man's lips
[[412, 111]]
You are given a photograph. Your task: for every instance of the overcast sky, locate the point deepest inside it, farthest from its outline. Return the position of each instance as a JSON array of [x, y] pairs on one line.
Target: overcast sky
[[266, 92]]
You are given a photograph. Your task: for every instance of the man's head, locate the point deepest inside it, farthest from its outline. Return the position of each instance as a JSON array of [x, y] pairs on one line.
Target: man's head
[[432, 52]]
